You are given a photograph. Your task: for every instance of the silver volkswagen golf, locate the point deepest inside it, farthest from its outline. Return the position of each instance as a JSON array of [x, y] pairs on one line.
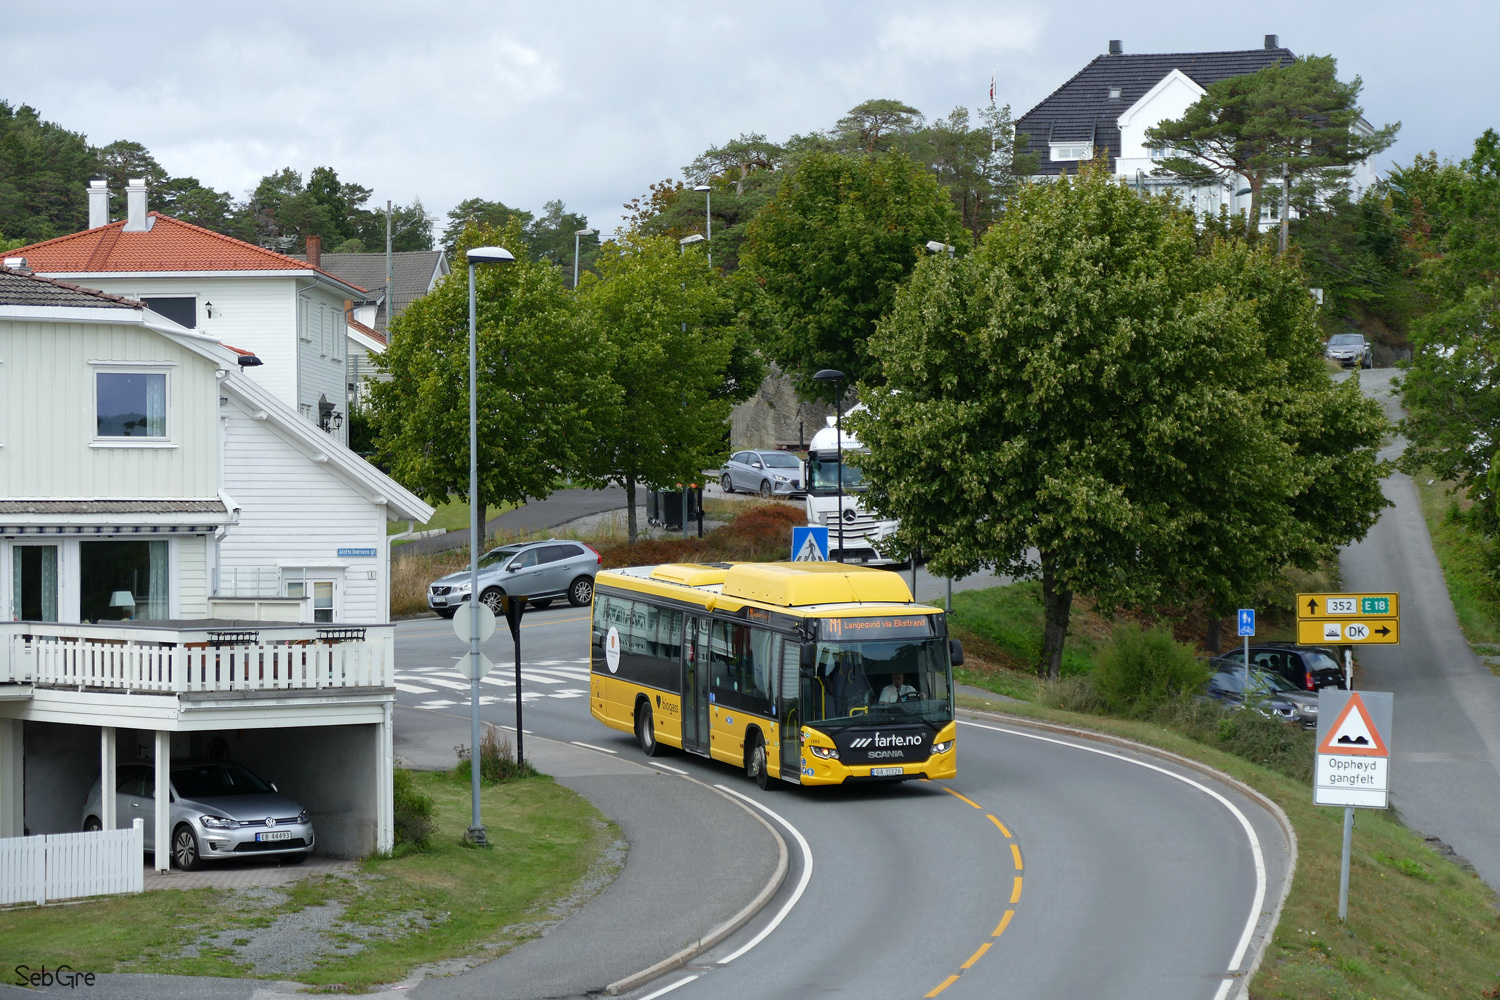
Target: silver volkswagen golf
[[543, 571], [219, 809]]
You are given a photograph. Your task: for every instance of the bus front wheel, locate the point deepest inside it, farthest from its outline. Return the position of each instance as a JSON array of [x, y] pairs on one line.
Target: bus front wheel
[[756, 764], [645, 732]]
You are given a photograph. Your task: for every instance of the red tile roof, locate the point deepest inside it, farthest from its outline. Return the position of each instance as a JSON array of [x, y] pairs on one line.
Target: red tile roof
[[169, 245]]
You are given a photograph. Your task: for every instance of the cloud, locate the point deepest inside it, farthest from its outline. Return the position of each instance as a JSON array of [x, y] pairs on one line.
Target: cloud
[[959, 33]]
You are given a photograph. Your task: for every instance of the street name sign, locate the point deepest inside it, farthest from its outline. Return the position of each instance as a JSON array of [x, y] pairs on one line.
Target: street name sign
[[1356, 619], [1354, 749]]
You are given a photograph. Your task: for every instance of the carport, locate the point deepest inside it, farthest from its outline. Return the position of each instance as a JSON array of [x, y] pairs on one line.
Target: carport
[[306, 708]]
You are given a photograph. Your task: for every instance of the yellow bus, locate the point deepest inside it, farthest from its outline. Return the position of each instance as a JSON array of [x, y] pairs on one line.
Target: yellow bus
[[815, 673]]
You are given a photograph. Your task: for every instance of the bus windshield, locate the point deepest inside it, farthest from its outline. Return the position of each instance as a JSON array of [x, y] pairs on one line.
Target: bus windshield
[[823, 475], [891, 680]]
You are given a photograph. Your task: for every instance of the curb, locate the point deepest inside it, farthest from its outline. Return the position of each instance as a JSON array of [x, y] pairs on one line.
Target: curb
[[728, 927], [1242, 992]]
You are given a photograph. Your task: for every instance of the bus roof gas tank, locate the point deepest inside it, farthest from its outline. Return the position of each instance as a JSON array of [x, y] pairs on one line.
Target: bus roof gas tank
[[800, 584]]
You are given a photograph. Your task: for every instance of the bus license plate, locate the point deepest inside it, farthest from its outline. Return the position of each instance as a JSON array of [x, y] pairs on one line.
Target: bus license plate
[[884, 772], [287, 834]]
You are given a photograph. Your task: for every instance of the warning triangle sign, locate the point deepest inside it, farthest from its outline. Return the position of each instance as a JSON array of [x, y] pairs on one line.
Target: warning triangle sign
[[1353, 732]]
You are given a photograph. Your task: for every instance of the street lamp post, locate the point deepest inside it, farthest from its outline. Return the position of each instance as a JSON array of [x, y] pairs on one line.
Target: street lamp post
[[708, 217], [837, 377], [478, 255], [581, 232], [682, 246]]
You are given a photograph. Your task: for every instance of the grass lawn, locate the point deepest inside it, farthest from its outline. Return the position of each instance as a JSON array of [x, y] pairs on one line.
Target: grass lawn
[[451, 516], [1419, 925], [452, 902], [1464, 556]]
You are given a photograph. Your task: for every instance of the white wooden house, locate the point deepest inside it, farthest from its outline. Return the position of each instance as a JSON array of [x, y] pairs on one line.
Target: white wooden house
[[1105, 109], [182, 557], [289, 313]]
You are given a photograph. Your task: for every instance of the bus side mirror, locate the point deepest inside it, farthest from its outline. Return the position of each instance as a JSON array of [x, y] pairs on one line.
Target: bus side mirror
[[956, 652], [807, 659]]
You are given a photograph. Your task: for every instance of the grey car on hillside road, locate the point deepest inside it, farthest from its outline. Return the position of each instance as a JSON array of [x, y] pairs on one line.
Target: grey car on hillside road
[[1351, 350], [769, 473], [543, 571]]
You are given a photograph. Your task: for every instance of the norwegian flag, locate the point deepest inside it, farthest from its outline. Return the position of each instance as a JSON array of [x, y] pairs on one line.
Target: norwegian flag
[[992, 88]]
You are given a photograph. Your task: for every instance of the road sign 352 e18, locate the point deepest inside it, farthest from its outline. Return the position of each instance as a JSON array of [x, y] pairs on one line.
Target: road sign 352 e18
[[1348, 606]]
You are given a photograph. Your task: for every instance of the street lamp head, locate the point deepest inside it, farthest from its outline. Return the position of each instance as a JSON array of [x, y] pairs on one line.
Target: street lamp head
[[937, 247], [690, 240], [829, 375], [587, 232], [490, 255], [702, 187]]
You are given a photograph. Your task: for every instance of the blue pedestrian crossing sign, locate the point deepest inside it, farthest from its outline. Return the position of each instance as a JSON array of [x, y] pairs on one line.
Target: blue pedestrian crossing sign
[[1247, 621], [810, 544]]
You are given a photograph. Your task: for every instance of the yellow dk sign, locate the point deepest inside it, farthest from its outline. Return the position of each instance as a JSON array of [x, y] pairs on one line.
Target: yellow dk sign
[[1360, 619]]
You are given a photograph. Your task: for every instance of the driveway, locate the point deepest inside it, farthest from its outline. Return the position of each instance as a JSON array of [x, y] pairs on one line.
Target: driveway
[[1446, 762]]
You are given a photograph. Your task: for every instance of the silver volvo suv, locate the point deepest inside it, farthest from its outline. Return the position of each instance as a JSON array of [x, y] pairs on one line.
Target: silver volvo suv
[[542, 571]]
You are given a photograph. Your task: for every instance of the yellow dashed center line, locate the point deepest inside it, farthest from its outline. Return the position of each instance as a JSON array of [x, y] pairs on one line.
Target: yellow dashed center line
[[941, 987], [970, 801], [1015, 897]]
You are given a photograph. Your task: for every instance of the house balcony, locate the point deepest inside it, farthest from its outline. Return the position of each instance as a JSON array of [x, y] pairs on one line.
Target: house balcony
[[197, 658]]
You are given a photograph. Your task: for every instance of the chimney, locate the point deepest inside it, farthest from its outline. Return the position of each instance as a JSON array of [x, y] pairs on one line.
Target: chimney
[[1115, 48], [136, 219], [1272, 43], [98, 203], [315, 251]]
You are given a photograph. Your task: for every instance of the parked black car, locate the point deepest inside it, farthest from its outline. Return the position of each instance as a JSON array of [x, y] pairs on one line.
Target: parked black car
[[1307, 667], [1270, 693]]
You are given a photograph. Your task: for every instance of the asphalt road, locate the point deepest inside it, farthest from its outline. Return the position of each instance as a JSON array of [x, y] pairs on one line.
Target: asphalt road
[[1445, 765], [1120, 879]]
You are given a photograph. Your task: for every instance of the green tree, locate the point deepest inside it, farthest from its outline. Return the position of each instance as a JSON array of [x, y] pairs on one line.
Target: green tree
[[1088, 398], [544, 395], [832, 248], [667, 321], [1452, 218], [478, 212], [1300, 116], [44, 173], [1452, 402], [981, 165], [876, 126]]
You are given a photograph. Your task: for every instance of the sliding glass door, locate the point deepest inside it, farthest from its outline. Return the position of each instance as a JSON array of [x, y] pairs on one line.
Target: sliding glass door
[[34, 583]]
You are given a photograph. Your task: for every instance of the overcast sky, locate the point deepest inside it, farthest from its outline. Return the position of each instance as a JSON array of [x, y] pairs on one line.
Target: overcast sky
[[523, 102]]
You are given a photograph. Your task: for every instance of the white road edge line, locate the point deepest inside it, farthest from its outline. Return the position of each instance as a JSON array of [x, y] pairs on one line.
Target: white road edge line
[[807, 867], [668, 989], [592, 747], [668, 767], [1256, 853]]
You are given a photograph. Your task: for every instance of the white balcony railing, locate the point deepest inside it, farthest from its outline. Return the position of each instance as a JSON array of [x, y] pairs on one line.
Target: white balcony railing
[[211, 657]]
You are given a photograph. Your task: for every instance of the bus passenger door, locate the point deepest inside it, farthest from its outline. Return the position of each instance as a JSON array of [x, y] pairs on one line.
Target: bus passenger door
[[695, 673]]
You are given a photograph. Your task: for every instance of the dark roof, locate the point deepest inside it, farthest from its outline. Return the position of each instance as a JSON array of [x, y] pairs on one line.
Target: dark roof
[[412, 275], [1081, 110], [112, 507], [20, 289]]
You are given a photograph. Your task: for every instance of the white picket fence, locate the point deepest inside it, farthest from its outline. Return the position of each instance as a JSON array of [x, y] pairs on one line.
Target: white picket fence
[[72, 865]]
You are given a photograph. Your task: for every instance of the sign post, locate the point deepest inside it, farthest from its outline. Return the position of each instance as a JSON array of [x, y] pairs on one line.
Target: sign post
[[1247, 629], [1353, 763], [513, 607]]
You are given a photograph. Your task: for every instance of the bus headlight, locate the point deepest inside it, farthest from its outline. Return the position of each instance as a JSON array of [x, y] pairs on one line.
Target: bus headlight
[[827, 753], [942, 747]]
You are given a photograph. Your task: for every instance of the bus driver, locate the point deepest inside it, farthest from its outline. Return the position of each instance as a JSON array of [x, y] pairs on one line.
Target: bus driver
[[896, 690]]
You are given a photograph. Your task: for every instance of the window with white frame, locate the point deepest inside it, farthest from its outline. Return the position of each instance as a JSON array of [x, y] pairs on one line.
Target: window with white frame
[[1072, 151], [130, 404], [303, 329], [302, 586], [1160, 152]]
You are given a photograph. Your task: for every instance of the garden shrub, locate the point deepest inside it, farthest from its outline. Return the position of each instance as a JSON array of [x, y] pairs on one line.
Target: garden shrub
[[497, 759], [412, 814], [1140, 669]]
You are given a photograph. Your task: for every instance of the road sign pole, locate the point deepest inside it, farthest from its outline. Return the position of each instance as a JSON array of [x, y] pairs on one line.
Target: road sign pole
[[1247, 666], [1349, 670], [1344, 864], [520, 746]]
